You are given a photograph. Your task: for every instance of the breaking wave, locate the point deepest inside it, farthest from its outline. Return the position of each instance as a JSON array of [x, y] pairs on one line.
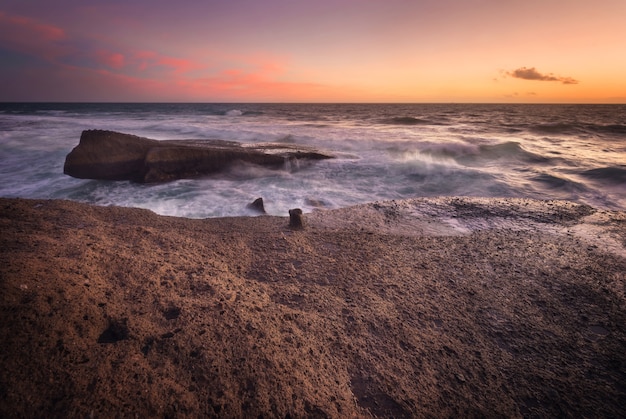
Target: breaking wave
[[510, 149], [558, 182], [383, 152], [612, 174], [471, 154]]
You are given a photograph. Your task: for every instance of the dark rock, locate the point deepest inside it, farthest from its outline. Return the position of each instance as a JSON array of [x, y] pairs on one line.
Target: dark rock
[[171, 313], [296, 220], [116, 331], [110, 155], [257, 206]]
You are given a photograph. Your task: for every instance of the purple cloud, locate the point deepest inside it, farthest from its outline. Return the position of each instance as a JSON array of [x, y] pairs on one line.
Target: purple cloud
[[525, 73]]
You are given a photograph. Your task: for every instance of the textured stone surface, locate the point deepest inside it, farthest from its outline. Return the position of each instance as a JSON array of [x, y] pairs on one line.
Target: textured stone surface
[[110, 155], [449, 307]]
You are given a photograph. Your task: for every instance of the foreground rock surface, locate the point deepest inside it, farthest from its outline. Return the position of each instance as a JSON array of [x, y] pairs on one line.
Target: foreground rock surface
[[440, 308], [110, 155]]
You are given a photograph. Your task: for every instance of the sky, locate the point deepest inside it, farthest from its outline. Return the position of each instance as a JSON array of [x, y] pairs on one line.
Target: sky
[[526, 51]]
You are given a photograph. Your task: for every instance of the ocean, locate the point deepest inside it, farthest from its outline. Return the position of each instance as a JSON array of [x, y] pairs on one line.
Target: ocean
[[383, 152]]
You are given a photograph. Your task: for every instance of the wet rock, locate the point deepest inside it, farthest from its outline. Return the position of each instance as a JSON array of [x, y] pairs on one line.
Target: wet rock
[[257, 206], [110, 155], [296, 220]]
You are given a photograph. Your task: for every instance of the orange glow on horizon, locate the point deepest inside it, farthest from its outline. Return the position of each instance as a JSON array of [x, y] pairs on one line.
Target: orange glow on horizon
[[505, 53]]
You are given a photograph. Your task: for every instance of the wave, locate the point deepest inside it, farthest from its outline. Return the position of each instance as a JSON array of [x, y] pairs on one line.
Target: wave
[[556, 182], [407, 120], [383, 152], [578, 128], [468, 154], [510, 150], [556, 128], [609, 129], [312, 125], [450, 149], [239, 112], [611, 174]]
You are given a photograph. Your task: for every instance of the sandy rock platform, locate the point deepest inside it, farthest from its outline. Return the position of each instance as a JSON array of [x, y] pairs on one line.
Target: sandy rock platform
[[452, 307]]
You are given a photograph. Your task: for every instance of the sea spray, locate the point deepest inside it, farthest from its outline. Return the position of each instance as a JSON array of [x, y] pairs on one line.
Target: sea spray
[[573, 152]]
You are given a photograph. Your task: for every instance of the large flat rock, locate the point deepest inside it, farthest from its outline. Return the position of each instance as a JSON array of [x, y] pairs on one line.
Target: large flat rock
[[110, 155]]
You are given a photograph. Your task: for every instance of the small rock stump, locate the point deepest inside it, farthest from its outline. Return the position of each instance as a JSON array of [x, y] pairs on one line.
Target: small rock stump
[[296, 220]]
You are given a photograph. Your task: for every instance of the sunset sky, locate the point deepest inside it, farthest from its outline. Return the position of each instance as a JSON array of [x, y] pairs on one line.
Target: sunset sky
[[313, 50]]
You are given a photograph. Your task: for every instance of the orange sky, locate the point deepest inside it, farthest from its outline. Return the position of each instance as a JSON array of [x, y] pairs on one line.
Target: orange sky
[[322, 51]]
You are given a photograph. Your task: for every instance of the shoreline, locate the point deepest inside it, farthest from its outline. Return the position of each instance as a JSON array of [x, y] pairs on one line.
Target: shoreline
[[433, 306]]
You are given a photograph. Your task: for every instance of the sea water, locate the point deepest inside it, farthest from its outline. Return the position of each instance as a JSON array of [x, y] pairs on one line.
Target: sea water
[[383, 152]]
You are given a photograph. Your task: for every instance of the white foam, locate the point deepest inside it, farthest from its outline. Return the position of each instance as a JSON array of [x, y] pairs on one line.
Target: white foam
[[374, 161]]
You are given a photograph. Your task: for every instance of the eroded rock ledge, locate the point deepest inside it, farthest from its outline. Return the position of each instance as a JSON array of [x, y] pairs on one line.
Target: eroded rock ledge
[[110, 155], [433, 307]]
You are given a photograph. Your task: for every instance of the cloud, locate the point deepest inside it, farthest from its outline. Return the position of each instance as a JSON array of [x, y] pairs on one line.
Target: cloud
[[258, 84], [29, 28], [531, 73], [114, 60], [30, 36], [150, 61], [78, 66], [178, 65]]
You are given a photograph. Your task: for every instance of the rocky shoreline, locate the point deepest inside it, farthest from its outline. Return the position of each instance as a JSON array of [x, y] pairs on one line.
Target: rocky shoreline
[[445, 307]]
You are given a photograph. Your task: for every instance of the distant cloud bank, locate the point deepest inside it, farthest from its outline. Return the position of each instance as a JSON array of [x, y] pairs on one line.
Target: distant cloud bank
[[532, 74]]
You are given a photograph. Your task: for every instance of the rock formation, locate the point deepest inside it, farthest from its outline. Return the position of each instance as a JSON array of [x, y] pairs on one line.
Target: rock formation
[[421, 308], [257, 206], [296, 221], [110, 155]]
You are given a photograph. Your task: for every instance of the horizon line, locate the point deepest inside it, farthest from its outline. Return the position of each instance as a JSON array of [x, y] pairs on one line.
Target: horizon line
[[300, 103]]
